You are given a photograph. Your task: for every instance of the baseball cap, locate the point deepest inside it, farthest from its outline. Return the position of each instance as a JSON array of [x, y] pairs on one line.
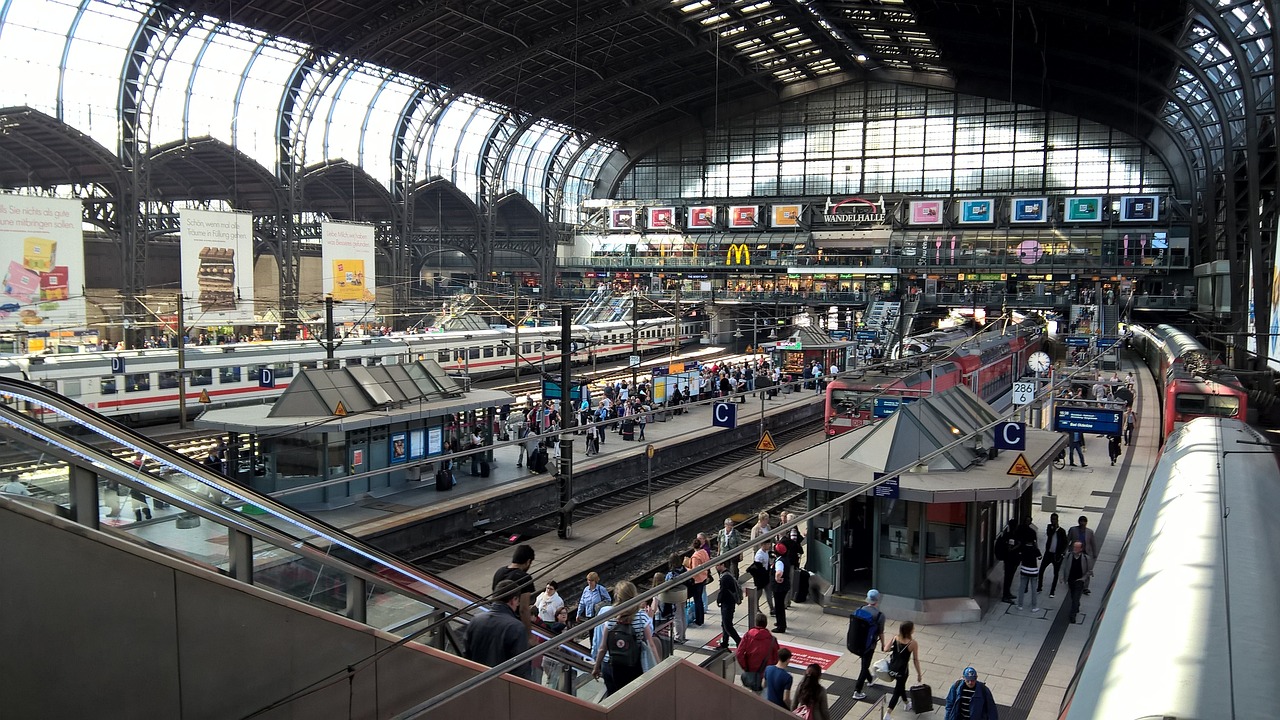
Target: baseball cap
[[873, 596], [780, 549], [970, 674]]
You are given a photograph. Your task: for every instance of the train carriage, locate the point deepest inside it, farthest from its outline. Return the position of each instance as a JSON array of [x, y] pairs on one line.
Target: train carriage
[[146, 382], [987, 363], [1191, 381], [1187, 627]]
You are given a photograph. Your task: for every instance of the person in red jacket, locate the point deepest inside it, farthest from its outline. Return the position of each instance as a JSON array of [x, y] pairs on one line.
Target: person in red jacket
[[757, 651]]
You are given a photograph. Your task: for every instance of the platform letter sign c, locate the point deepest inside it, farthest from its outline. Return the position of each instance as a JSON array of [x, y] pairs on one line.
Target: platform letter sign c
[[266, 378], [724, 415], [117, 366], [1011, 436]]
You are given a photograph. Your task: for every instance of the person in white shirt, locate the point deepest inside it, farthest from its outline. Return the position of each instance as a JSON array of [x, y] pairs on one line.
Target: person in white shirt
[[549, 602], [15, 487]]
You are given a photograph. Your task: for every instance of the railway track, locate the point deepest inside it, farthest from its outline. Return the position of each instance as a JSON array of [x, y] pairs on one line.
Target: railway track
[[487, 543]]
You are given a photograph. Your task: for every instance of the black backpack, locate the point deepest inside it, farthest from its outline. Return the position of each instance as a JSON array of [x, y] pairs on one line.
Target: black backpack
[[624, 647], [864, 629]]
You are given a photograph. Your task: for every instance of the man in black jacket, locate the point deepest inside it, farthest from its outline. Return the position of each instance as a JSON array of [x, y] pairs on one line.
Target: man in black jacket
[[496, 636], [1006, 548], [1055, 547]]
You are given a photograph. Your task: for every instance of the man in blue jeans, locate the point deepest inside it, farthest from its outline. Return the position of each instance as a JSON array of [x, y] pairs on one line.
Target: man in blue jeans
[[1077, 448]]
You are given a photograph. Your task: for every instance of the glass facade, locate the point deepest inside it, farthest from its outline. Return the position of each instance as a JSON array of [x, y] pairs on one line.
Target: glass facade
[[874, 138], [228, 82]]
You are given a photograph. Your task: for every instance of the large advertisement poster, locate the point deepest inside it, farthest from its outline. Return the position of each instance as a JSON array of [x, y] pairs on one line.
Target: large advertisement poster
[[41, 263], [347, 258], [217, 267]]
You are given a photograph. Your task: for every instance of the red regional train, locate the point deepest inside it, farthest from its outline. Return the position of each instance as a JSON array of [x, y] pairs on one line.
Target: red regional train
[[987, 363], [1192, 382]]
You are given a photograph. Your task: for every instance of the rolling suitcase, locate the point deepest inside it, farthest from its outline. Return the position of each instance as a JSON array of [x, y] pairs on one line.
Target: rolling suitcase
[[484, 468], [444, 480], [628, 430], [802, 585], [921, 698]]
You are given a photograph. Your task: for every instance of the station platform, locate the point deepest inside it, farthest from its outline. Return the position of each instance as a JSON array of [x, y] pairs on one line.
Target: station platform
[[1026, 659], [371, 516]]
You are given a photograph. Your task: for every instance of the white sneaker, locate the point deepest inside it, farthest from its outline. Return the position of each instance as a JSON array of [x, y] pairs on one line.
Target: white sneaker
[[1019, 607], [859, 696], [1035, 609]]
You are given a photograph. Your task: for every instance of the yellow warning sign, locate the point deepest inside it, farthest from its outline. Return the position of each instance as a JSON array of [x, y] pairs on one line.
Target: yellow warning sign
[[204, 397], [1021, 467], [340, 409], [766, 443]]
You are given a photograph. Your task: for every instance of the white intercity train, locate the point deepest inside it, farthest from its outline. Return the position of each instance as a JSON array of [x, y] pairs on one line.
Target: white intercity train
[[143, 384], [1188, 627]]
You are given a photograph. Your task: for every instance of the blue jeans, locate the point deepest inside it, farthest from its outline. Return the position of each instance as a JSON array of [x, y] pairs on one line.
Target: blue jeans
[[1075, 450]]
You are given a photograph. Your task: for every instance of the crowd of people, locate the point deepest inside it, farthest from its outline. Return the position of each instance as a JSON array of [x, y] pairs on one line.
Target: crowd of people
[[626, 644]]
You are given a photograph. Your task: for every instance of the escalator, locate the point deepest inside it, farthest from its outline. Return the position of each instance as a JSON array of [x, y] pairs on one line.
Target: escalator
[[202, 517]]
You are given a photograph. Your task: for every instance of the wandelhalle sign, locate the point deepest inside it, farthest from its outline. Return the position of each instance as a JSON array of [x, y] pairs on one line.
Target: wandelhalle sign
[[851, 212]]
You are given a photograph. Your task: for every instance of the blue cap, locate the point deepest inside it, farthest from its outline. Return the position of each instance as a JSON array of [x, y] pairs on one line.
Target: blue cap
[[873, 596], [970, 674]]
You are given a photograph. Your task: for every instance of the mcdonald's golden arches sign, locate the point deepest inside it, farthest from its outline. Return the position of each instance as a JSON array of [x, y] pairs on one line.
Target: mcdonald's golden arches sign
[[738, 254]]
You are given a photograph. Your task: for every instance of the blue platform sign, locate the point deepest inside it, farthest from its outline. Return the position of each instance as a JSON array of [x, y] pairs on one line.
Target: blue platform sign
[[838, 334], [1010, 436], [551, 391], [867, 335], [1093, 420], [266, 377], [117, 365], [1106, 342], [887, 489], [885, 406], [1078, 341], [660, 372], [725, 415]]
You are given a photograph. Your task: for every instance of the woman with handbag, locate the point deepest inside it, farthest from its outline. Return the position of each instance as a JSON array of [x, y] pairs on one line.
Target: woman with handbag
[[903, 649]]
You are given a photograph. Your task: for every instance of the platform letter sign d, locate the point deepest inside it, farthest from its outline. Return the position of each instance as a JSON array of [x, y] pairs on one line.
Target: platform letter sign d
[[266, 378], [724, 415], [117, 366]]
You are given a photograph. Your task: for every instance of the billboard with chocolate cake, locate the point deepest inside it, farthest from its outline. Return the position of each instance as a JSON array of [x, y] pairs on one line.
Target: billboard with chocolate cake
[[347, 261], [217, 267], [41, 263]]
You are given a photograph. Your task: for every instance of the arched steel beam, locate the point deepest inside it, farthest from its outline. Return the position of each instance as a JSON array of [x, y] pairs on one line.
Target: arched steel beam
[[1261, 251]]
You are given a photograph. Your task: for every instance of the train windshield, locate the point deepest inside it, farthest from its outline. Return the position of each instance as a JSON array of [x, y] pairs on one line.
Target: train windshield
[[849, 401], [1196, 404]]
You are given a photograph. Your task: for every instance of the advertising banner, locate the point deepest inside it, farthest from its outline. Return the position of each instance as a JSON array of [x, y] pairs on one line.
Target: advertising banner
[[1029, 210], [785, 216], [702, 217], [347, 257], [217, 267], [41, 263], [662, 218], [925, 212], [977, 211], [743, 217], [1084, 209]]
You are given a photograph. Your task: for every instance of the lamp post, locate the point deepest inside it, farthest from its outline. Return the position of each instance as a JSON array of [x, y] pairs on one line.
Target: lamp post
[[543, 343], [635, 335]]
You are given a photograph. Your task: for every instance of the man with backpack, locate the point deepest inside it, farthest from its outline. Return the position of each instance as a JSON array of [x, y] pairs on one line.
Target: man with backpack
[[757, 651], [866, 633], [729, 597]]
